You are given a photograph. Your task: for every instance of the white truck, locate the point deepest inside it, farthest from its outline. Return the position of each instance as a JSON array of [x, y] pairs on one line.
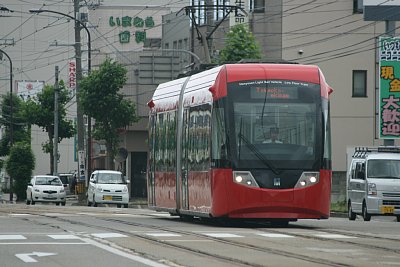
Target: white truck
[[373, 183]]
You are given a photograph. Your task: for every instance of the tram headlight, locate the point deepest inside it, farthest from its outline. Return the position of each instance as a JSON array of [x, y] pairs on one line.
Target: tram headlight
[[244, 178], [307, 179]]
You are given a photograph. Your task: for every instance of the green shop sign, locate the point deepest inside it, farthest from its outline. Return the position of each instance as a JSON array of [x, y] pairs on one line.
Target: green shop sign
[[127, 21], [389, 87]]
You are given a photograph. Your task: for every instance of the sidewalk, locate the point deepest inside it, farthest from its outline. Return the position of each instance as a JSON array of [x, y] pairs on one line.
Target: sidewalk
[[5, 198]]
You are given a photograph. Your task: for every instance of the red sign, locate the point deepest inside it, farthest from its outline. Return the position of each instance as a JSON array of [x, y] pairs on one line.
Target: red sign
[[72, 74]]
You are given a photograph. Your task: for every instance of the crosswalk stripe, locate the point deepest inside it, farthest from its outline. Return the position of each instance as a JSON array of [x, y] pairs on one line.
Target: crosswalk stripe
[[108, 235], [275, 235], [222, 235], [12, 237], [333, 236], [63, 237], [163, 234]]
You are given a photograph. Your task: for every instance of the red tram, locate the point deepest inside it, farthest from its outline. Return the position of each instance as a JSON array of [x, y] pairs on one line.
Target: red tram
[[212, 146]]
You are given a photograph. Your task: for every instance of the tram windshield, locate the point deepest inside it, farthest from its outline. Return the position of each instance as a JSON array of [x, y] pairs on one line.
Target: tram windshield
[[275, 124]]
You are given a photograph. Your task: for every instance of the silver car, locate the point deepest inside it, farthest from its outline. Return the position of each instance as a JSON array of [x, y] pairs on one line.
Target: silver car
[[45, 188]]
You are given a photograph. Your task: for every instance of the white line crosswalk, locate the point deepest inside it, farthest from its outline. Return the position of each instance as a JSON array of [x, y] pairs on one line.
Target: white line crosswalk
[[11, 237]]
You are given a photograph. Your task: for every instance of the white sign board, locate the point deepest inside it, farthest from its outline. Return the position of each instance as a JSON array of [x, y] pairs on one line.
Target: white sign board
[[29, 89], [238, 16]]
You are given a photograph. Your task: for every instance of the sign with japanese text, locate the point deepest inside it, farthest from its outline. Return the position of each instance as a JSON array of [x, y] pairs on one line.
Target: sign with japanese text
[[126, 22], [29, 89], [238, 16], [389, 87]]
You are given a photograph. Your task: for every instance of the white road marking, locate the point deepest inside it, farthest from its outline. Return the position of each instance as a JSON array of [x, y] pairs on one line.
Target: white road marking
[[222, 235], [108, 235], [334, 236], [276, 235], [161, 214], [64, 237], [27, 257], [42, 243], [162, 234], [124, 254], [12, 237]]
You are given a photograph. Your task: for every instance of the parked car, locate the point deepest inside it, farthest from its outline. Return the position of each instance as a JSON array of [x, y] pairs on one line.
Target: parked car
[[373, 183], [66, 179], [45, 188], [107, 187]]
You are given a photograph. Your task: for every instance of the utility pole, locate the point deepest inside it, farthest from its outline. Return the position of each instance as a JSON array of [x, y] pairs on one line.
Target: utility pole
[[11, 116], [55, 142], [78, 56]]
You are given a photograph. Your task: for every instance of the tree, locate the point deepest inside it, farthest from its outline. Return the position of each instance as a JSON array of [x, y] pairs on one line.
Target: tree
[[99, 99], [40, 111], [240, 44], [20, 131], [19, 166]]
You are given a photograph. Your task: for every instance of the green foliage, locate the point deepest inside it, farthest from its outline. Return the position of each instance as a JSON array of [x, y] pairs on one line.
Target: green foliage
[[19, 166], [100, 99], [339, 206], [40, 111], [20, 131], [240, 44]]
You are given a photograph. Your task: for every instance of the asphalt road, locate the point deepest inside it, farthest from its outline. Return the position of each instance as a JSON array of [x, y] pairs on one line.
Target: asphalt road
[[49, 235]]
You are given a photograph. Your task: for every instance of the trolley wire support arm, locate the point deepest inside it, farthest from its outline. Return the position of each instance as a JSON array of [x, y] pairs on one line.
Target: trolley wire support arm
[[190, 11]]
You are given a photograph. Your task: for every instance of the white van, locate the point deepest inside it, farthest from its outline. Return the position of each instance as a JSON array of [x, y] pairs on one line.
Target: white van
[[373, 183], [107, 187]]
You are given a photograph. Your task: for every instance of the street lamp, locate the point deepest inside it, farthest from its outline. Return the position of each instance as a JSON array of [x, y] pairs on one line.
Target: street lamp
[[77, 54], [11, 115]]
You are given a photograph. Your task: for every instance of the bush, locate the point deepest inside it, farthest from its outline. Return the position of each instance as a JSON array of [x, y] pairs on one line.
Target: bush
[[19, 166], [339, 206]]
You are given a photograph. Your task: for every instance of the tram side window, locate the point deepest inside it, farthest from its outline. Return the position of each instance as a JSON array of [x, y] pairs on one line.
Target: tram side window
[[171, 141], [158, 144], [219, 145], [199, 136]]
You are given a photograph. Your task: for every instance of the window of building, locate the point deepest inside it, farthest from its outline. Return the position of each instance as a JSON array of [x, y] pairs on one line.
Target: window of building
[[257, 6], [359, 83], [358, 6]]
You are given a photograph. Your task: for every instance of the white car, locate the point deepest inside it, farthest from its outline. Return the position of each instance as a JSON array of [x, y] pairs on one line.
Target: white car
[[45, 188], [107, 187]]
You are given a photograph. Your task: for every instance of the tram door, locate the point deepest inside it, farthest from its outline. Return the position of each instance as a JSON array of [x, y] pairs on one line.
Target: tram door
[[185, 161]]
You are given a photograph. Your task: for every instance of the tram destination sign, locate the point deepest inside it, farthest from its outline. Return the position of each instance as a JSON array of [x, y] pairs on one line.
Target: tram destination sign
[[275, 89]]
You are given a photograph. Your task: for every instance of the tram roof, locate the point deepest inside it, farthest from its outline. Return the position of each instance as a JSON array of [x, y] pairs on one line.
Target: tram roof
[[166, 96]]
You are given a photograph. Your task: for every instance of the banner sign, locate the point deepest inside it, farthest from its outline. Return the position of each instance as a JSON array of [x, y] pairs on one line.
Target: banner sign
[[389, 87], [239, 17], [72, 75], [29, 89]]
